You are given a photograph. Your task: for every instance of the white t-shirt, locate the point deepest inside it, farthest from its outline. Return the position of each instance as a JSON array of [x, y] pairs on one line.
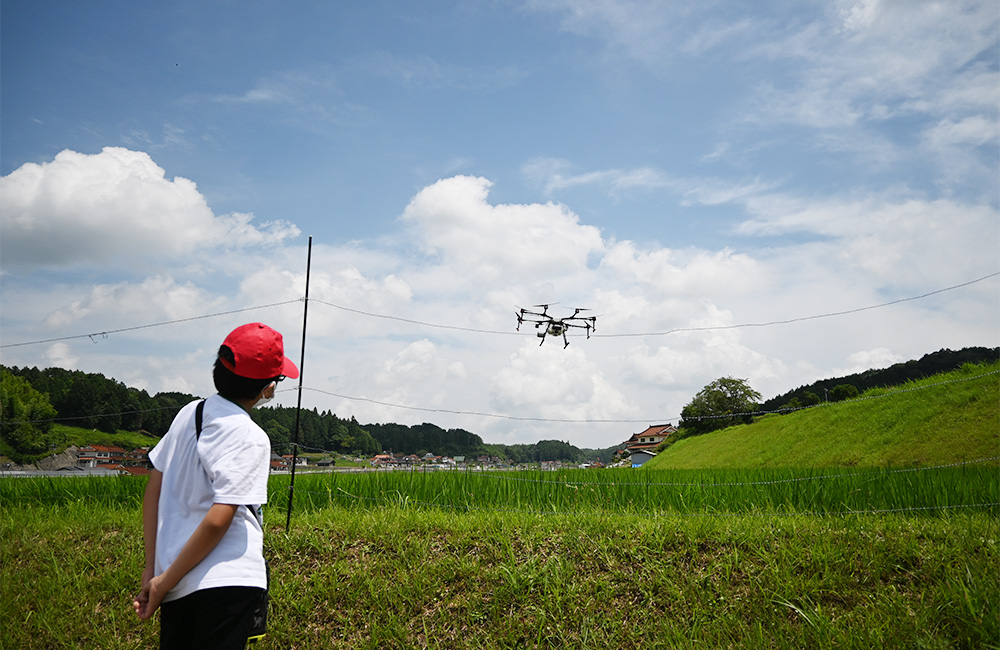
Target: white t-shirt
[[228, 464]]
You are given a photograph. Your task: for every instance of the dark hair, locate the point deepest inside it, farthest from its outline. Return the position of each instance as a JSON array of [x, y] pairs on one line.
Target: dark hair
[[232, 386]]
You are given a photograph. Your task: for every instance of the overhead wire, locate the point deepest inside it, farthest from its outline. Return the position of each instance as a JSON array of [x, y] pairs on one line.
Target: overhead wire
[[801, 318], [474, 330], [520, 418], [671, 331], [106, 333], [416, 322], [640, 420]]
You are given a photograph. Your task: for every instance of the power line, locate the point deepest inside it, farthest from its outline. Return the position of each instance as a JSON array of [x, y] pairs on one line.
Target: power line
[[417, 322], [104, 334], [642, 420], [664, 333], [801, 318], [525, 418], [475, 413]]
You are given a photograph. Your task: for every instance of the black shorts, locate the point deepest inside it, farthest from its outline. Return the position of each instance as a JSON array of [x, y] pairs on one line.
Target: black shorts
[[218, 618]]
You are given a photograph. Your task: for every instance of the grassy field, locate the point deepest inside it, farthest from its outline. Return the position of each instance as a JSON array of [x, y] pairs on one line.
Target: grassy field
[[949, 418], [450, 560], [890, 552]]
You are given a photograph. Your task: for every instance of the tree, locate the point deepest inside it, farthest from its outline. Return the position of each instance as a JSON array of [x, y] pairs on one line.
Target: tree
[[27, 418], [722, 403], [841, 392]]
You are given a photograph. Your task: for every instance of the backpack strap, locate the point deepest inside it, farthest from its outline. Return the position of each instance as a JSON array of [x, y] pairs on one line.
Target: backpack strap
[[199, 414]]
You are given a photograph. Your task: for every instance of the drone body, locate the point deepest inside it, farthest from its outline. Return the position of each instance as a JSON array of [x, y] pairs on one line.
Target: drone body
[[551, 326]]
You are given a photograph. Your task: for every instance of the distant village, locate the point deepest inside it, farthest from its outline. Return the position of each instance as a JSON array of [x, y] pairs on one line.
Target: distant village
[[104, 460]]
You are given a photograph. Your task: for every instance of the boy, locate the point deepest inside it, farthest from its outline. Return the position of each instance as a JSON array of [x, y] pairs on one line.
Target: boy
[[205, 566]]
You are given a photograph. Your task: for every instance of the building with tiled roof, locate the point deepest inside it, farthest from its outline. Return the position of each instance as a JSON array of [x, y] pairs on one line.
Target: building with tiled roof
[[649, 439]]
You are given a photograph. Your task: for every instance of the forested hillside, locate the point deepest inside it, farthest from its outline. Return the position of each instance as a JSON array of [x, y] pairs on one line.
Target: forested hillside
[[839, 388], [31, 400]]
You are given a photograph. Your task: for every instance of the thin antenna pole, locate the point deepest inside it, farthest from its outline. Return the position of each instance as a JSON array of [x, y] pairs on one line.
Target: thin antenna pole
[[298, 407]]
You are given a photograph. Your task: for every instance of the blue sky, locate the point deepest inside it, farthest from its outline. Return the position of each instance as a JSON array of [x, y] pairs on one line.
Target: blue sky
[[670, 165]]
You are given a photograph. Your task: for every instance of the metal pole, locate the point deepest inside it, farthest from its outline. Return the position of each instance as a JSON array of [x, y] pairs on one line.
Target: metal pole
[[298, 408]]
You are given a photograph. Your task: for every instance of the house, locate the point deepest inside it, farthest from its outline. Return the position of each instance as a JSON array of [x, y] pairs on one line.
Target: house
[[381, 460], [94, 455], [642, 446], [138, 457], [649, 439], [640, 456]]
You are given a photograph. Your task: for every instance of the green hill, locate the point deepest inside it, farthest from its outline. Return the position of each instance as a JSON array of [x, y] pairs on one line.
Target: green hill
[[947, 418]]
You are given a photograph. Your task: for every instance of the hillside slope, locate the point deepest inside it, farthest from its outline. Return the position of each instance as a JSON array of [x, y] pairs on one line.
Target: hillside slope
[[948, 418]]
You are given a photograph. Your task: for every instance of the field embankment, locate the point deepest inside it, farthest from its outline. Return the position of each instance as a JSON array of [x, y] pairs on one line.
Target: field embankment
[[948, 418]]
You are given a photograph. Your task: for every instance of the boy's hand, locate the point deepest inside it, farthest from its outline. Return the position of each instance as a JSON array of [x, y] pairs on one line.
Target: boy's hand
[[150, 596], [141, 603]]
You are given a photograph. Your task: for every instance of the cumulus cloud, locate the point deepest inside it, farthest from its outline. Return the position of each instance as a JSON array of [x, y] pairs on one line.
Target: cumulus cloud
[[150, 300], [60, 355], [868, 359], [477, 240], [550, 382], [117, 205]]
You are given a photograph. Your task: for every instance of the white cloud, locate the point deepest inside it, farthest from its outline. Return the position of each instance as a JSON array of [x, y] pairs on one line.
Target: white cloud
[[887, 56], [976, 131], [896, 240], [60, 355], [868, 359], [547, 381], [111, 208], [555, 174], [154, 299], [478, 241], [666, 272]]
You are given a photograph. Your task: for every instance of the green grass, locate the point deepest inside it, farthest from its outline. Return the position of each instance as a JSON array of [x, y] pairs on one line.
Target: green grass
[[65, 436], [897, 550], [585, 493], [938, 423], [402, 577]]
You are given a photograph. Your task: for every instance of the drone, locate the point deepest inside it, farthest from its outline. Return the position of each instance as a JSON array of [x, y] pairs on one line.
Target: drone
[[551, 326]]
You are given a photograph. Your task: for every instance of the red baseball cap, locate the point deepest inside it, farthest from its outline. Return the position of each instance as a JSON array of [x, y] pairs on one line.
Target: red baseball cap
[[259, 353]]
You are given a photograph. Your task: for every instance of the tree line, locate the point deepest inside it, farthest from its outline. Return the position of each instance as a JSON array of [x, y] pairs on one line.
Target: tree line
[[841, 388], [33, 399]]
